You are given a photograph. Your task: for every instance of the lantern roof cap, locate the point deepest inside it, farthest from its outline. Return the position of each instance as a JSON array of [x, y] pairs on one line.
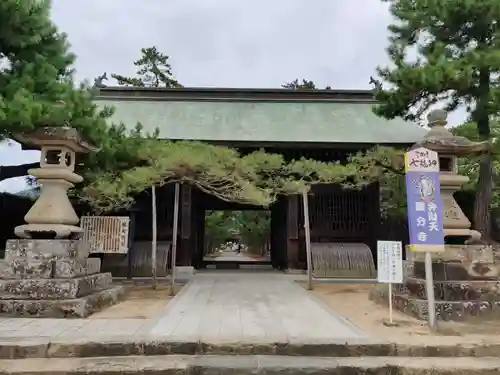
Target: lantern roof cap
[[60, 136], [441, 140]]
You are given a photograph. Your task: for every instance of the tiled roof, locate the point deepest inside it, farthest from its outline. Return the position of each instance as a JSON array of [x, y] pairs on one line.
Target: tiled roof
[[252, 115]]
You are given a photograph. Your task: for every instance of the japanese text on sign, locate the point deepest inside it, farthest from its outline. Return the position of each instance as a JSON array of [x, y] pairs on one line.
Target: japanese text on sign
[[421, 159], [389, 262], [424, 208]]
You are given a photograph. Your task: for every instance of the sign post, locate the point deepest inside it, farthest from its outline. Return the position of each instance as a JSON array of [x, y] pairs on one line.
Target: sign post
[[425, 214], [390, 266]]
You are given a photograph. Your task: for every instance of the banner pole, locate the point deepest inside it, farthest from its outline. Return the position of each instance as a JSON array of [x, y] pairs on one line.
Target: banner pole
[[429, 289], [390, 303]]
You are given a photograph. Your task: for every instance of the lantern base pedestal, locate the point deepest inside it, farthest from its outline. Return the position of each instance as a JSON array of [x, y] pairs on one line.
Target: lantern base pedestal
[[446, 310], [53, 279], [466, 285]]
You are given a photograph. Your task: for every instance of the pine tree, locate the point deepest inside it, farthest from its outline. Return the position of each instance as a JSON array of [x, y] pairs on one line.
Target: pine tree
[[153, 70], [36, 86], [305, 84], [458, 64]]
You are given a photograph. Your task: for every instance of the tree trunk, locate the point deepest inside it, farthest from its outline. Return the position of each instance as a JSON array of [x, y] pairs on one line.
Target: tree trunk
[[11, 171], [483, 197], [484, 191]]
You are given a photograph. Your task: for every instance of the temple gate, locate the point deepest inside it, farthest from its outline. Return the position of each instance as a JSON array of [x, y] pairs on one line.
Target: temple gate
[[325, 125]]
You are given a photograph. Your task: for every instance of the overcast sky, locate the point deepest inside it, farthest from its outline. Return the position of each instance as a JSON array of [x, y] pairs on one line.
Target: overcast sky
[[226, 43]]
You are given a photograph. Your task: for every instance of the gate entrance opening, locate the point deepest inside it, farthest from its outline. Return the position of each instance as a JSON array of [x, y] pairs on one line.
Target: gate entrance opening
[[237, 239], [232, 236]]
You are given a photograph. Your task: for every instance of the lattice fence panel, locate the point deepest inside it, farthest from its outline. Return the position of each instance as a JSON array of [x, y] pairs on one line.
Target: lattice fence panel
[[342, 260], [106, 234], [342, 214]]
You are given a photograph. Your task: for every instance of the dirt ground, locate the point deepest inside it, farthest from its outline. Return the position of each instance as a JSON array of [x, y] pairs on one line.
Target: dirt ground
[[351, 301], [141, 301]]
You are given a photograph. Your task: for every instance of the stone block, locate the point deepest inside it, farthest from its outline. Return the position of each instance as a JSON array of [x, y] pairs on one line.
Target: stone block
[[52, 289], [458, 271], [31, 248], [457, 254], [37, 259], [399, 288], [53, 278], [407, 269], [32, 267], [68, 267], [445, 310], [6, 271], [68, 308], [456, 290], [43, 268]]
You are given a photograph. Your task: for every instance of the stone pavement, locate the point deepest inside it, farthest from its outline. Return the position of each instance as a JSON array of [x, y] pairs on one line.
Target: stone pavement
[[232, 256], [215, 306], [250, 306]]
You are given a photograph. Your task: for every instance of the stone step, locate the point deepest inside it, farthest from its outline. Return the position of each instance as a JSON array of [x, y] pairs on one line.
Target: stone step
[[229, 365], [150, 346], [455, 290]]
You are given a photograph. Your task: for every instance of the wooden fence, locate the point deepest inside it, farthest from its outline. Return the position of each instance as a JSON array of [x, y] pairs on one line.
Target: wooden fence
[[139, 260]]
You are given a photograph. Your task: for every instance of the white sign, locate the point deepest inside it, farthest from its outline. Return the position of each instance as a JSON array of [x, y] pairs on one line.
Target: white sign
[[390, 262], [421, 160]]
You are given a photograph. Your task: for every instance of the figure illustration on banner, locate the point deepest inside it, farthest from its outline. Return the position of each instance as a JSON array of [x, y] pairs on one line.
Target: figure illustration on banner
[[427, 188]]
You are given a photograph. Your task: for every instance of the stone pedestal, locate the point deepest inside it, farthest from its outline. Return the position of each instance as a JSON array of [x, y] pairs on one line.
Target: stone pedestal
[[466, 285], [53, 278]]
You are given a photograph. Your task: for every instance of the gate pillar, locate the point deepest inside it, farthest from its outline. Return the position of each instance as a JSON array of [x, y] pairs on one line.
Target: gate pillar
[[292, 233]]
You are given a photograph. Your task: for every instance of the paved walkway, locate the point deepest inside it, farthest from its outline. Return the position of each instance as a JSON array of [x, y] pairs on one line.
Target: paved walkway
[[250, 306], [233, 256], [216, 306]]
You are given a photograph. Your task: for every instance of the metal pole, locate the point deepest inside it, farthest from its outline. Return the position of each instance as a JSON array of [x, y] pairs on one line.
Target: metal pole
[[429, 288], [154, 230], [307, 231], [174, 237]]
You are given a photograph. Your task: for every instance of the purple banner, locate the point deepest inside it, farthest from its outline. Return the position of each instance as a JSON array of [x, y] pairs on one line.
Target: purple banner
[[425, 210]]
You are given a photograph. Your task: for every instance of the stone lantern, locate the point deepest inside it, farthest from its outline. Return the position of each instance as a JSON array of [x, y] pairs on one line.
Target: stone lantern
[[466, 274], [48, 272], [449, 147], [52, 215]]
